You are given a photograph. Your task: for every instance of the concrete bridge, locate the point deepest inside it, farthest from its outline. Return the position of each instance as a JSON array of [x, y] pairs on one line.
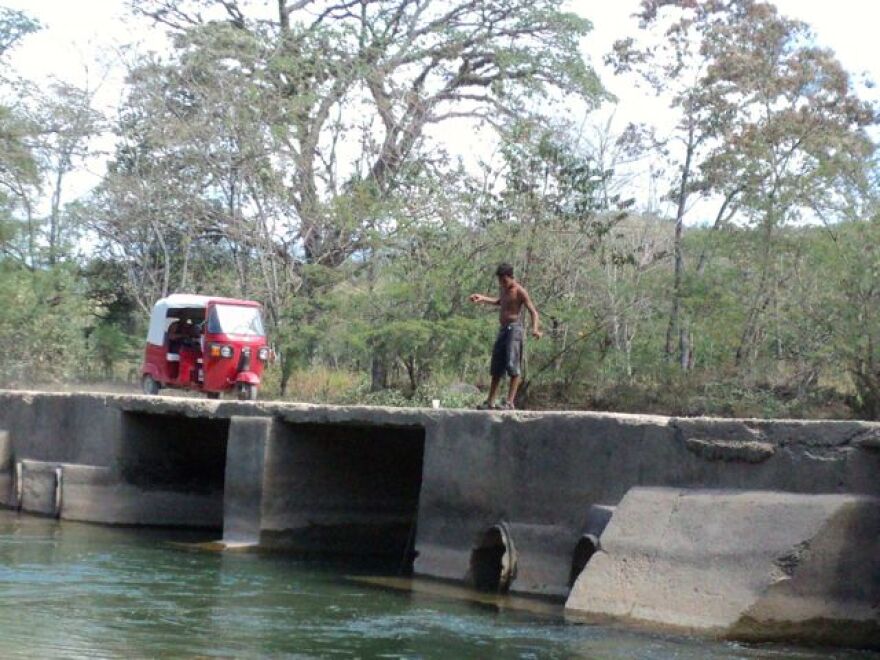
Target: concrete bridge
[[750, 529]]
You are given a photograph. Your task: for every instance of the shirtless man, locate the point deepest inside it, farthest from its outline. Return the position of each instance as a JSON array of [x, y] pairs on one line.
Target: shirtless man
[[507, 352]]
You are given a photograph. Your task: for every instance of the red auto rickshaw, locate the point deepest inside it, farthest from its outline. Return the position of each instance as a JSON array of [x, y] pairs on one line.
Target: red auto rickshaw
[[207, 344]]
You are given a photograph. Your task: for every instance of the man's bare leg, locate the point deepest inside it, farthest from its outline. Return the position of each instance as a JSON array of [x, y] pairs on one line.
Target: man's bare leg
[[511, 392], [493, 389]]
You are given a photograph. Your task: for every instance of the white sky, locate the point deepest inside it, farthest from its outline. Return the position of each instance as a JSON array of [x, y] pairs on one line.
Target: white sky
[[89, 40]]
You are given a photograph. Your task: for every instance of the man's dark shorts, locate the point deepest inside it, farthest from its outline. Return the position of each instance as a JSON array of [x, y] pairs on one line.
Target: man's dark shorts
[[507, 351]]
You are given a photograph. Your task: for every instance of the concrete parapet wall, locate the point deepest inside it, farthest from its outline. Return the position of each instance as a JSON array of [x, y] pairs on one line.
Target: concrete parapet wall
[[64, 428], [747, 564]]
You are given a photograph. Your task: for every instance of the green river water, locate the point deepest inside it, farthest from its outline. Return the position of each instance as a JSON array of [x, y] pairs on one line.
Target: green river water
[[70, 590]]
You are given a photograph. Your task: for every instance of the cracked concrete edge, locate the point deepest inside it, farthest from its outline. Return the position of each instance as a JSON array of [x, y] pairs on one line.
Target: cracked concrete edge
[[776, 431], [747, 451], [725, 434], [868, 439], [317, 413]]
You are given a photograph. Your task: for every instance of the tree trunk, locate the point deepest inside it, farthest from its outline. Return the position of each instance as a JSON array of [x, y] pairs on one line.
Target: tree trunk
[[684, 349], [378, 373], [54, 218], [675, 312], [283, 16], [184, 268], [763, 297], [557, 338], [286, 372]]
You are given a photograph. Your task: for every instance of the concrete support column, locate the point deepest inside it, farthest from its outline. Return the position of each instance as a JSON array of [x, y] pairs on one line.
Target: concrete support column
[[243, 482], [7, 471]]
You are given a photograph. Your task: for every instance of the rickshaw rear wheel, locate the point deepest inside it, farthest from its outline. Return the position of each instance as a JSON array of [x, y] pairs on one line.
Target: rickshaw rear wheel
[[246, 392], [149, 385], [213, 395]]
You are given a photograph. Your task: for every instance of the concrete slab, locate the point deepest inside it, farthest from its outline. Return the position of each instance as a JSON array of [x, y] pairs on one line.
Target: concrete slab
[[748, 565]]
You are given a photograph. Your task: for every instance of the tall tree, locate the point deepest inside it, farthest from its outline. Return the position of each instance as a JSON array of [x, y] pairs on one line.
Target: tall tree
[[669, 60], [766, 117], [796, 125], [67, 122], [301, 127], [378, 73], [19, 179]]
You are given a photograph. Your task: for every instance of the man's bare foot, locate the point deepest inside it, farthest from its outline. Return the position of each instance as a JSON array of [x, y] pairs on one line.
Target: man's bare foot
[[488, 405], [507, 405]]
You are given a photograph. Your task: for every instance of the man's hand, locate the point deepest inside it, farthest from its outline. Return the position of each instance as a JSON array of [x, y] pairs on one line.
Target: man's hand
[[480, 298], [537, 334]]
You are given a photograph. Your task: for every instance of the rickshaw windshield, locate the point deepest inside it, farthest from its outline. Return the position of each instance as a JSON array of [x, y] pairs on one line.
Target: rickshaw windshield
[[235, 320]]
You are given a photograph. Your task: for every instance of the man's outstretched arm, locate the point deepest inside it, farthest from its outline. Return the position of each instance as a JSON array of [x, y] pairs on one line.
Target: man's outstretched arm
[[533, 312], [479, 298]]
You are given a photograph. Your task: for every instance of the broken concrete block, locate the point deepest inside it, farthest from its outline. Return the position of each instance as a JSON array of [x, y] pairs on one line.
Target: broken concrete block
[[87, 492], [40, 482], [755, 565]]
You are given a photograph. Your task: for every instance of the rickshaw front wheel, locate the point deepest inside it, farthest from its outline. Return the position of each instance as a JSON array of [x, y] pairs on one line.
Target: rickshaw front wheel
[[149, 385], [246, 392]]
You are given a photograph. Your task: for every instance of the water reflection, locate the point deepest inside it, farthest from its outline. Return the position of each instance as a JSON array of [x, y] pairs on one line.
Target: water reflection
[[72, 590]]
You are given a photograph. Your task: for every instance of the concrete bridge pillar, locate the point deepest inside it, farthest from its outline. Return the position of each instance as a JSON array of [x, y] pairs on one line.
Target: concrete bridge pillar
[[7, 470], [245, 468]]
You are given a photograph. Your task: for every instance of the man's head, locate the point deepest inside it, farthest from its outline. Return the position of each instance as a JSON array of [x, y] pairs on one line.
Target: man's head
[[505, 274]]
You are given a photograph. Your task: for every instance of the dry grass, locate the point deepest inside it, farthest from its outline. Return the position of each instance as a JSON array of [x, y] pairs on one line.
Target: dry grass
[[316, 385]]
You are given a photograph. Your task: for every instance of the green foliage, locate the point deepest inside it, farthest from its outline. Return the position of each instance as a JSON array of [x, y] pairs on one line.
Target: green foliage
[[109, 346], [42, 321], [14, 26], [298, 160]]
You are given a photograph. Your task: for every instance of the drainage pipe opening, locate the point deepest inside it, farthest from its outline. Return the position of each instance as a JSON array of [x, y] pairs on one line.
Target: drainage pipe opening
[[493, 560], [583, 552]]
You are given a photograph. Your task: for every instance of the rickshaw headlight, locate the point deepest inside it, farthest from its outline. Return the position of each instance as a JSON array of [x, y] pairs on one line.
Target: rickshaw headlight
[[226, 352], [264, 354]]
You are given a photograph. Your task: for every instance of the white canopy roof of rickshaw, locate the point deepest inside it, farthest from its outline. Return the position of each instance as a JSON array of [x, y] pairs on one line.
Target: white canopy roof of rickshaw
[[184, 301], [159, 317]]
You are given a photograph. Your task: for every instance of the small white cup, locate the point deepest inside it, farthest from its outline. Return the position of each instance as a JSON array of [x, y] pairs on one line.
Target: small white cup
[[435, 403]]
